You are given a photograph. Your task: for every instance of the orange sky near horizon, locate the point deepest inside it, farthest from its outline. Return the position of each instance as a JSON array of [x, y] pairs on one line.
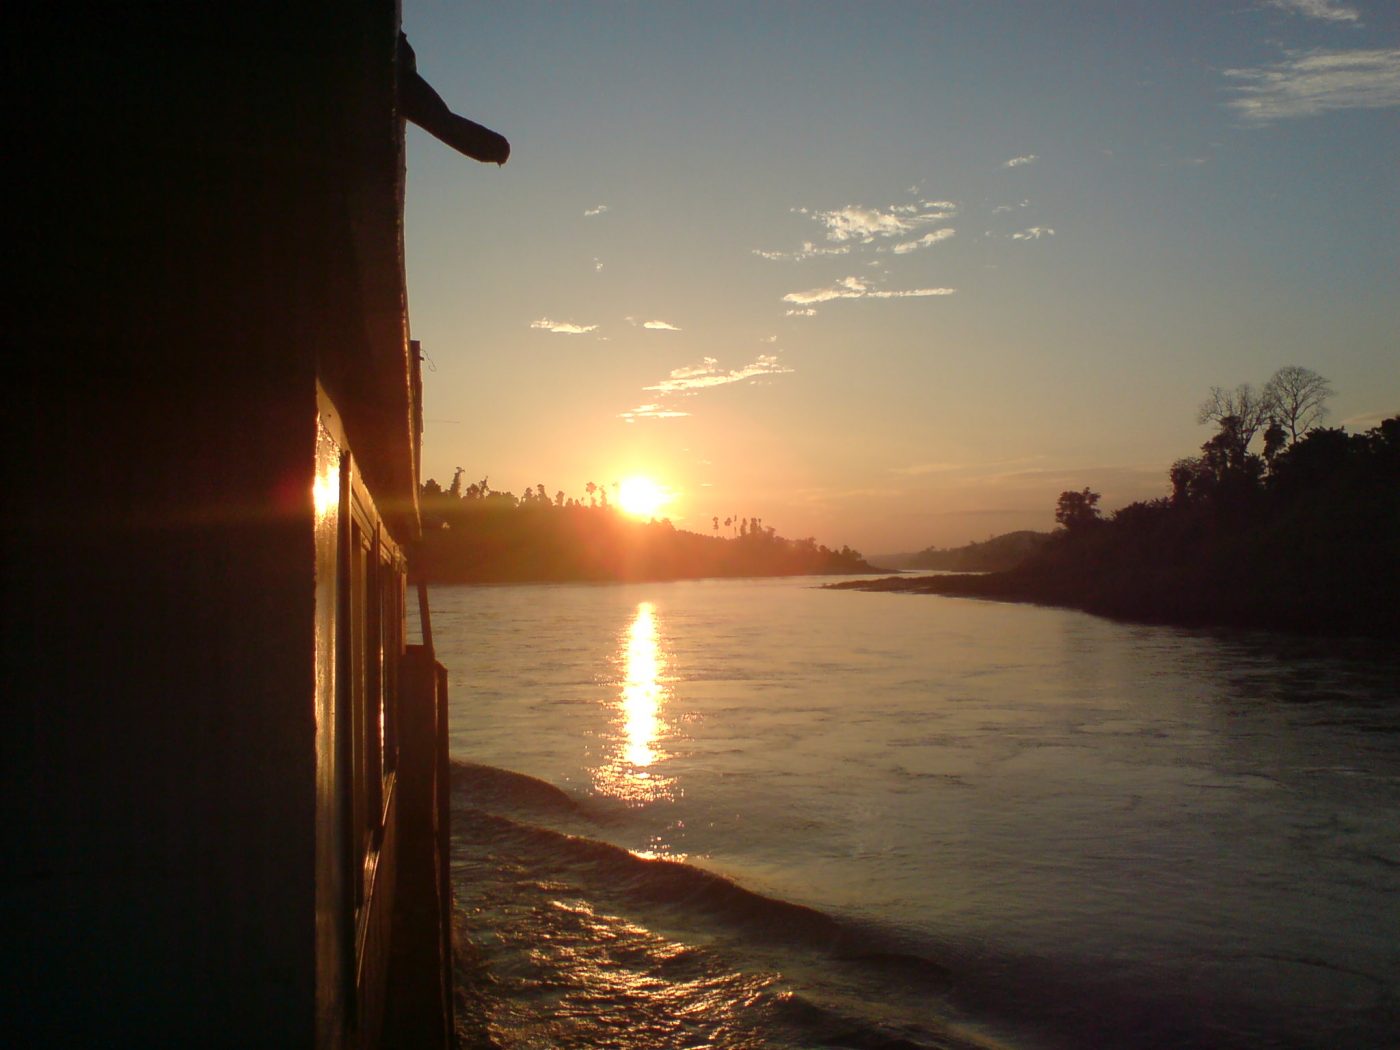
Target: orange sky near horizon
[[895, 276]]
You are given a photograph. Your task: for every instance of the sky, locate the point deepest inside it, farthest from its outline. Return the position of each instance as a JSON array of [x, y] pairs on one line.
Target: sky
[[895, 275]]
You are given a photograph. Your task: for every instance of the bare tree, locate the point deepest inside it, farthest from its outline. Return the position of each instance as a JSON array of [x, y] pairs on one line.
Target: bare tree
[[1297, 398], [1246, 409]]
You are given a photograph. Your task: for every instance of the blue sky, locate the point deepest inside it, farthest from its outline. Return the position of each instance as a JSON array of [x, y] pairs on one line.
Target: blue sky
[[895, 274]]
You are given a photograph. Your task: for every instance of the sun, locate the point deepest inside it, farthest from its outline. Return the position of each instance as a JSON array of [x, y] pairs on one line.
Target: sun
[[641, 497]]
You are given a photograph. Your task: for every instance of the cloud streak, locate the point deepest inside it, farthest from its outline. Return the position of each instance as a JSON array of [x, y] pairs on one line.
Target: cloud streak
[[807, 251], [597, 209], [1324, 10], [1021, 162], [660, 326], [708, 373], [651, 412], [863, 225], [927, 239], [563, 327], [856, 225], [853, 223], [1306, 83], [1033, 233], [857, 288]]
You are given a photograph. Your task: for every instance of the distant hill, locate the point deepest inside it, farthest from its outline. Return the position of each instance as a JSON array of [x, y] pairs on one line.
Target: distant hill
[[994, 555]]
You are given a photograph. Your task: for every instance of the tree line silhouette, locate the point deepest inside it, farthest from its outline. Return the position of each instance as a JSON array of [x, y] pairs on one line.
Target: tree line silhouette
[[477, 534], [1301, 535]]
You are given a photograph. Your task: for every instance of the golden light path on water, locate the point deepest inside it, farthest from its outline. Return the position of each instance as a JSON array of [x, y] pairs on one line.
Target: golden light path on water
[[637, 723]]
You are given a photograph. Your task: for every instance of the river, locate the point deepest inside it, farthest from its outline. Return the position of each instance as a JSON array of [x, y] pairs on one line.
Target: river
[[886, 820]]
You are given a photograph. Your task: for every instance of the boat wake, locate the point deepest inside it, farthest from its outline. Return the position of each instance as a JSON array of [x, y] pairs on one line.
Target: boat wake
[[576, 942], [580, 943]]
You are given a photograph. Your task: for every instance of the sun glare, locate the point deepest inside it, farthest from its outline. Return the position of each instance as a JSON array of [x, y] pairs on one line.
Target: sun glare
[[641, 497]]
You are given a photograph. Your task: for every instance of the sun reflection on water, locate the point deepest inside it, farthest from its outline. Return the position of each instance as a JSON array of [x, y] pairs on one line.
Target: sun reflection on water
[[637, 719]]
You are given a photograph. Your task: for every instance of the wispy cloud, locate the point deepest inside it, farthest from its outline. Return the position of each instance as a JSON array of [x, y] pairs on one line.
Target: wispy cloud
[[1326, 10], [1033, 233], [1021, 162], [853, 223], [563, 327], [857, 288], [651, 412], [709, 374], [807, 251], [926, 207], [1002, 208], [933, 237], [597, 209], [1306, 83], [660, 326], [856, 225], [805, 311], [597, 265]]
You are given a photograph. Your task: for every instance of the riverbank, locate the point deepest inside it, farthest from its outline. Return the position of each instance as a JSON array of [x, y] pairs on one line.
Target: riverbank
[[1305, 542], [495, 540], [1167, 604]]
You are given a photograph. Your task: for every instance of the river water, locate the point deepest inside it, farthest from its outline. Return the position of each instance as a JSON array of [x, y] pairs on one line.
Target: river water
[[755, 813]]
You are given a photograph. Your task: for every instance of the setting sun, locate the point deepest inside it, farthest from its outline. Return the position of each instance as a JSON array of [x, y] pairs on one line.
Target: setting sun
[[641, 497]]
